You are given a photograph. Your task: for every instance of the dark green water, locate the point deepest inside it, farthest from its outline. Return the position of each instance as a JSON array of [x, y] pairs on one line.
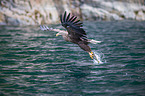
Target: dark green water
[[36, 63]]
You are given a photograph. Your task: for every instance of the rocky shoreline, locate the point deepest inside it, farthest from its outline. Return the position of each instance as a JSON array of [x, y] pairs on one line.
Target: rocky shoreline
[[35, 12]]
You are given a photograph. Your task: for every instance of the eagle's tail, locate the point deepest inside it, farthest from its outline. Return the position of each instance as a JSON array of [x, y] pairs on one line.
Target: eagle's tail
[[93, 41]]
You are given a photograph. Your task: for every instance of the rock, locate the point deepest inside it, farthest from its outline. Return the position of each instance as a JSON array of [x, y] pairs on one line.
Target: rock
[[2, 19], [140, 15], [91, 13], [34, 12], [111, 10]]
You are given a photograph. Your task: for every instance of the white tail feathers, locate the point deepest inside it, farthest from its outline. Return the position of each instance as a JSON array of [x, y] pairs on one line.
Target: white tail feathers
[[94, 41]]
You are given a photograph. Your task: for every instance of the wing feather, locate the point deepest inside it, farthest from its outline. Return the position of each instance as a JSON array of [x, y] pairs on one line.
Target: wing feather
[[71, 18], [73, 26], [67, 17], [64, 17], [76, 21], [61, 19]]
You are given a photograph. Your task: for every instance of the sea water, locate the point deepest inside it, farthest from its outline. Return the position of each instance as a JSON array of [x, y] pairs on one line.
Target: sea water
[[36, 63]]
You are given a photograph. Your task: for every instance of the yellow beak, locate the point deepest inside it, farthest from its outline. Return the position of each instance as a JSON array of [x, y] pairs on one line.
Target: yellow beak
[[57, 34]]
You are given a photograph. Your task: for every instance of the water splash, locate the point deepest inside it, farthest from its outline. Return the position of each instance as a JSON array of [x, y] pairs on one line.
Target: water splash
[[98, 58]]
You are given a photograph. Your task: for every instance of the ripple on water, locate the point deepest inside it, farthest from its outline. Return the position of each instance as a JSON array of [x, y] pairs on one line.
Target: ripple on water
[[33, 62]]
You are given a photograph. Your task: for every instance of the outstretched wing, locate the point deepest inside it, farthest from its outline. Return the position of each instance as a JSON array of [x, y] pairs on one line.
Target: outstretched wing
[[73, 26]]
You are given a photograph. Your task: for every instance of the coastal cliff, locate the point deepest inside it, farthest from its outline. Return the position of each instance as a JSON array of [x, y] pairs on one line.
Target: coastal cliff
[[34, 12]]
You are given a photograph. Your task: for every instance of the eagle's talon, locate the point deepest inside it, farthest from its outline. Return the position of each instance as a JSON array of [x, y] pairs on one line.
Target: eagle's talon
[[91, 54]]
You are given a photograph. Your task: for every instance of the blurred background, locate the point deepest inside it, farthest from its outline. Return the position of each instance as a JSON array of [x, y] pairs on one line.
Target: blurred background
[[34, 12]]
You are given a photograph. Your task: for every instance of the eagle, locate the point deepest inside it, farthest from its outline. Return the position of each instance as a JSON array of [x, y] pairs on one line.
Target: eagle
[[74, 32]]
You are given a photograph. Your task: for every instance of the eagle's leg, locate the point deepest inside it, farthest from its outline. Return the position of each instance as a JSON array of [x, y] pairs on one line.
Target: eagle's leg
[[86, 48]]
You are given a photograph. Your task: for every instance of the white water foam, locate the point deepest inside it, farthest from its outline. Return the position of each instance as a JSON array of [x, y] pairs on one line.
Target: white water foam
[[98, 58]]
